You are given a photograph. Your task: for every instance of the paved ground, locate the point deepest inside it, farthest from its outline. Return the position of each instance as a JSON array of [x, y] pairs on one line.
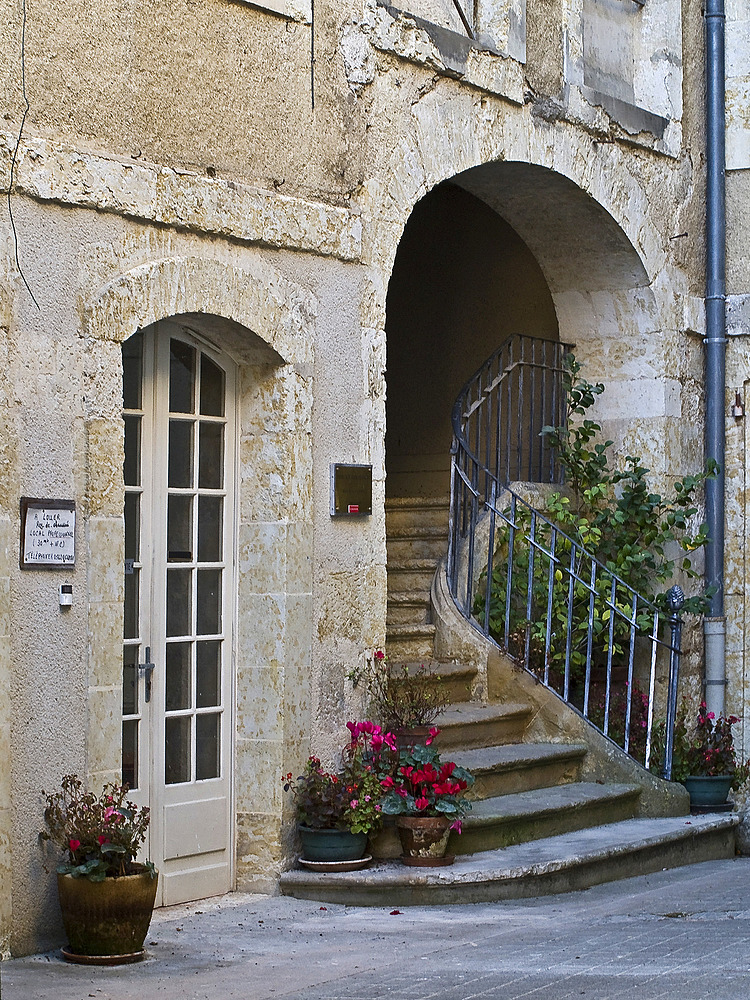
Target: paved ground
[[682, 934]]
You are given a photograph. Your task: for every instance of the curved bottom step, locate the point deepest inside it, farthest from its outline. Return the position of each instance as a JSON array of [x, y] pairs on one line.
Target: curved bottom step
[[541, 867]]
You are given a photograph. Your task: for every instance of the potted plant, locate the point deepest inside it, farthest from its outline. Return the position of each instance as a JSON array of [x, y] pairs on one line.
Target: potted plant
[[336, 811], [425, 795], [704, 758], [404, 699], [106, 896]]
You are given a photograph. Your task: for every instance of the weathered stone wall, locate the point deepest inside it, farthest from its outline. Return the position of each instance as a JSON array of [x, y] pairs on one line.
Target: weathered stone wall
[[159, 177], [8, 495]]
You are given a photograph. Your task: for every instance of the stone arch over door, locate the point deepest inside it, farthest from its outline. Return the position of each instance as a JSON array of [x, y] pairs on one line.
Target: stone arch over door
[[463, 282], [584, 283], [619, 293], [266, 325]]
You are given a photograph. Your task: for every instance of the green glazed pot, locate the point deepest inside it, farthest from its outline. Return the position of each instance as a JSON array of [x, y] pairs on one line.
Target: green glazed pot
[[332, 845], [708, 790]]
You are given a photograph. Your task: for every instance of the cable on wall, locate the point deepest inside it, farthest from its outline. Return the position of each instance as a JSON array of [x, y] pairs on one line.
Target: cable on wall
[[14, 158], [312, 53]]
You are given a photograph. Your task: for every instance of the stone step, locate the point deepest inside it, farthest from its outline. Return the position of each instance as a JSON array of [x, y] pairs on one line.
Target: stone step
[[411, 574], [431, 547], [544, 812], [563, 863], [521, 767], [455, 678], [469, 725], [431, 543], [416, 530], [409, 642], [408, 606], [417, 510]]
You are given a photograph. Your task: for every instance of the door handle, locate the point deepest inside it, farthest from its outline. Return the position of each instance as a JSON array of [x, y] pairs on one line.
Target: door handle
[[147, 669]]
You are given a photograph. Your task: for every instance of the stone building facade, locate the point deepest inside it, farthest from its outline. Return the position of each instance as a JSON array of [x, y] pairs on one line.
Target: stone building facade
[[318, 221]]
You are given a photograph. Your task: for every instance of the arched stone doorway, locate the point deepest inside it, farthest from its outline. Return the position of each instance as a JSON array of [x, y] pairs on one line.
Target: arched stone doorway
[[250, 332], [506, 248], [463, 281]]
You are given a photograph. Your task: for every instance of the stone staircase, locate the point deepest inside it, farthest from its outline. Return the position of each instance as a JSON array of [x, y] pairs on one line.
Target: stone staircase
[[556, 806], [417, 538]]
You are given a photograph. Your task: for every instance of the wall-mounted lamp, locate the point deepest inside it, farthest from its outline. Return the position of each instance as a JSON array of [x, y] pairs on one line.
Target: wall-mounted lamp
[[738, 410]]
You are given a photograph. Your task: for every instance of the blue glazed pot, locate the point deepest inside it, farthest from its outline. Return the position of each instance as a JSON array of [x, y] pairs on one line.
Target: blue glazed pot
[[332, 845], [708, 790]]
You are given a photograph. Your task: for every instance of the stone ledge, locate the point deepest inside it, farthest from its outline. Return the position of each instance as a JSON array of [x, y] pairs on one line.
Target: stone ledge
[[179, 198], [556, 864]]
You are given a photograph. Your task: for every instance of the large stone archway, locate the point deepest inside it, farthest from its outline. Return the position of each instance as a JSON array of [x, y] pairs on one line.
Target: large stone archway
[[618, 294]]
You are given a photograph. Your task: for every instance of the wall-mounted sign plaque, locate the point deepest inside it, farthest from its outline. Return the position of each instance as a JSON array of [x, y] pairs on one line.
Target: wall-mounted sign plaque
[[48, 533], [351, 490]]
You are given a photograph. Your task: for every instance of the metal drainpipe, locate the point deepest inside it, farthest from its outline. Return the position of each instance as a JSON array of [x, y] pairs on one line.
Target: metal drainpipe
[[715, 341]]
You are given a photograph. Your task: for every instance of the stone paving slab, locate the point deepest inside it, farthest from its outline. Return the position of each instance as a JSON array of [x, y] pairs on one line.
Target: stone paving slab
[[681, 934]]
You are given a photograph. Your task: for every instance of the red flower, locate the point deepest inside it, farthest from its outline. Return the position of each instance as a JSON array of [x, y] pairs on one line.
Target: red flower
[[74, 844], [102, 839], [379, 654], [421, 803]]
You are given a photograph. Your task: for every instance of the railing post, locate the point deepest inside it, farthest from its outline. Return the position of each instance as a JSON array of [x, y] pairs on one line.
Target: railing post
[[675, 600], [452, 511]]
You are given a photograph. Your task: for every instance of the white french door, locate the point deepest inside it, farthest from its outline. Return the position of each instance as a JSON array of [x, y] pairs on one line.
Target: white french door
[[179, 413]]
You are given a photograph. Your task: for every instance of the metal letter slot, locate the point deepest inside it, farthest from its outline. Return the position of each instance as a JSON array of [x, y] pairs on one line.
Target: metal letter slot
[[147, 668]]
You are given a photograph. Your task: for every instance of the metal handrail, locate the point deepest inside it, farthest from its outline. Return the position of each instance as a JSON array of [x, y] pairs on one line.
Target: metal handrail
[[534, 590]]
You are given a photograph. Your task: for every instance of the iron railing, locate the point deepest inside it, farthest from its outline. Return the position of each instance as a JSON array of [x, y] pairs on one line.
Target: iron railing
[[535, 590]]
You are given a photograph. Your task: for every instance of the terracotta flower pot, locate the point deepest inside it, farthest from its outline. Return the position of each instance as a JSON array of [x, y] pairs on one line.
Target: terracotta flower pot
[[106, 922], [411, 737], [424, 840]]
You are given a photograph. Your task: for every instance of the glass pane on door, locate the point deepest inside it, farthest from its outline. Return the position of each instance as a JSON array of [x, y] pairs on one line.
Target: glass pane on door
[[195, 539], [133, 416]]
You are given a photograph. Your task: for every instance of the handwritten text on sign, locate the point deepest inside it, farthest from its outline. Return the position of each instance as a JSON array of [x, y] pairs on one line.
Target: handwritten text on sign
[[49, 536]]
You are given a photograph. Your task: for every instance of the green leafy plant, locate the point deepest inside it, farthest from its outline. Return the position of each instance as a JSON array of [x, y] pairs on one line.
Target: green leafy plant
[[618, 713], [614, 512], [101, 833], [400, 696], [348, 798], [423, 785], [614, 515], [705, 747]]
